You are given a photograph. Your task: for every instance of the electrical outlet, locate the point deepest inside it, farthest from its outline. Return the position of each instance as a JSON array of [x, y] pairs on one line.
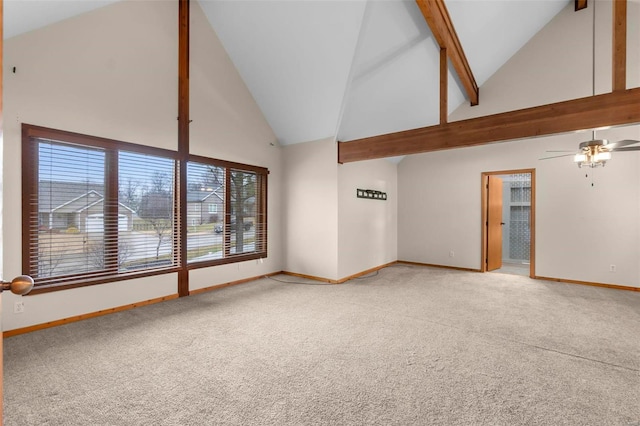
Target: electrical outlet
[[612, 268], [18, 307], [452, 253]]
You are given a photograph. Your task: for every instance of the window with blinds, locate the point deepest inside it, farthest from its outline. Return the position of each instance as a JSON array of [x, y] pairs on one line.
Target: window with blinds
[[226, 217], [146, 193], [95, 209]]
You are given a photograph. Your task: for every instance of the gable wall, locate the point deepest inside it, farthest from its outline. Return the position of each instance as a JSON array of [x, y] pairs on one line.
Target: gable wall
[[580, 229], [113, 73]]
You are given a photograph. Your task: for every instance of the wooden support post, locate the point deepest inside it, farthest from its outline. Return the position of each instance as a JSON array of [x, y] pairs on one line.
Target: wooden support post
[[444, 95], [619, 61], [183, 143]]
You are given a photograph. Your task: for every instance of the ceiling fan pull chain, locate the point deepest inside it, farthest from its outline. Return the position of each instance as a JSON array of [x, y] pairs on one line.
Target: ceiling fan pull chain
[[587, 176]]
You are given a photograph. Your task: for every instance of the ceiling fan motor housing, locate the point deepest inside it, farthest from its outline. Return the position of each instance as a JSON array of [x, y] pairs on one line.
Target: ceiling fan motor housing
[[594, 143]]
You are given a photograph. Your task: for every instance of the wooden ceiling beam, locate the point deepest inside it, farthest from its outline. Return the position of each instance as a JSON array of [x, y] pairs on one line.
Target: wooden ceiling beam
[[580, 4], [619, 62], [610, 109], [437, 17]]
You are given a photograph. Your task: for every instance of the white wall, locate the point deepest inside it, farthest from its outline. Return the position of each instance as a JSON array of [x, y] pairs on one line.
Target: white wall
[[2, 276], [311, 209], [580, 229], [329, 233], [367, 229], [113, 73], [107, 72], [228, 124]]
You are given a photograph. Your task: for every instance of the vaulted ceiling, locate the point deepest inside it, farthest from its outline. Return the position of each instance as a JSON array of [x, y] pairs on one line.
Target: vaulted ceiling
[[356, 69], [344, 69]]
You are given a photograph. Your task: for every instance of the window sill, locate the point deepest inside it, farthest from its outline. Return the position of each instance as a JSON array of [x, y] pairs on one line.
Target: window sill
[[227, 260], [40, 288]]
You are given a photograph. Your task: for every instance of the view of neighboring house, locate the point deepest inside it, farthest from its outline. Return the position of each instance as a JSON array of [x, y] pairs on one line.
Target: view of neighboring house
[[81, 205], [204, 206], [63, 205]]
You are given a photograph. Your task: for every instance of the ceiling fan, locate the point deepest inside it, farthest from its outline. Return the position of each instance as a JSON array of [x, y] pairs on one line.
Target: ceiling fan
[[596, 152]]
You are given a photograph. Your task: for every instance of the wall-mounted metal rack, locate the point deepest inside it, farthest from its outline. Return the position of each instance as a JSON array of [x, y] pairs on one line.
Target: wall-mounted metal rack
[[372, 194]]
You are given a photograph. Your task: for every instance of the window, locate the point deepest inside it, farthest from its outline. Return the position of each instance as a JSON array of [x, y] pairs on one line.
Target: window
[[95, 209], [147, 195], [237, 195]]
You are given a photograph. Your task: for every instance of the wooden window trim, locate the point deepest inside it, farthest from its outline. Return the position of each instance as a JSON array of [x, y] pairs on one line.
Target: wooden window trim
[[228, 164], [30, 167], [76, 283], [234, 258], [30, 170], [31, 131], [261, 228]]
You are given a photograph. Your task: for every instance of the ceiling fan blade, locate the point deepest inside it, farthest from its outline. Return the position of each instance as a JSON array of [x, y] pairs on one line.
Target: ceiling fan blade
[[557, 151], [557, 156], [613, 145], [629, 148]]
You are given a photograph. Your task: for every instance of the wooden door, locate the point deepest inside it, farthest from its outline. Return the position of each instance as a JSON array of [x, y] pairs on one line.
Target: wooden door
[[494, 223]]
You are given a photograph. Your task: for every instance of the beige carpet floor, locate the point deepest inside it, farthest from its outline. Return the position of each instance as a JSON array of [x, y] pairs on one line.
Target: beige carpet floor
[[408, 346]]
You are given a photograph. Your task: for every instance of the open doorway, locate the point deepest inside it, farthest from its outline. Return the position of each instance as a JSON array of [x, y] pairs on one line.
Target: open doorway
[[508, 222]]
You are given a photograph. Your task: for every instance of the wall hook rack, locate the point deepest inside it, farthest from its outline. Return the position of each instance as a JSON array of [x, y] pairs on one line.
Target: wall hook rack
[[371, 193]]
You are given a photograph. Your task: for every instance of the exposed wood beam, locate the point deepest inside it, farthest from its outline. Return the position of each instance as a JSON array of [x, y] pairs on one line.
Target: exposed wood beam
[[444, 107], [183, 141], [436, 15], [580, 4], [619, 45], [610, 109]]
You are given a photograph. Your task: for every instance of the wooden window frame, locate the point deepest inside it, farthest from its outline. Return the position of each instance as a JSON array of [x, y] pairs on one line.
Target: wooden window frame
[[30, 171], [261, 227], [31, 135]]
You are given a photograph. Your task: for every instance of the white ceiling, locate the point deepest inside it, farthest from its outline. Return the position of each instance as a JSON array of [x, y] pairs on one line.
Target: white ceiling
[[21, 16], [361, 68], [395, 82], [294, 56], [345, 68]]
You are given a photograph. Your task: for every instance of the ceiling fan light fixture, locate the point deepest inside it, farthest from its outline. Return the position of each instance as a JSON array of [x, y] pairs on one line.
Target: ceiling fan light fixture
[[603, 156], [580, 158], [592, 160]]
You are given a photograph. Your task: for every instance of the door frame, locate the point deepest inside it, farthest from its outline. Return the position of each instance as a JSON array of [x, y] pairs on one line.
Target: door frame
[[532, 217]]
